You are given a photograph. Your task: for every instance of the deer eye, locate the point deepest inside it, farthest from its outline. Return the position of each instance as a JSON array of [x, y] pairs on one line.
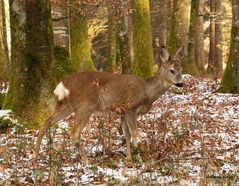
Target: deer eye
[[172, 71]]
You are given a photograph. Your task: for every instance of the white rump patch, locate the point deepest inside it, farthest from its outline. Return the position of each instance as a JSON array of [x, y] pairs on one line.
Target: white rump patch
[[61, 91]]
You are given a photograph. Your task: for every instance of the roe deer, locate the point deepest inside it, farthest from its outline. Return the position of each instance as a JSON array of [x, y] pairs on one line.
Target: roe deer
[[87, 92]]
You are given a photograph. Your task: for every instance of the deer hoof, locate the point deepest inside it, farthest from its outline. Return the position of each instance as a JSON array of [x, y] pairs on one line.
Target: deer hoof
[[135, 141]]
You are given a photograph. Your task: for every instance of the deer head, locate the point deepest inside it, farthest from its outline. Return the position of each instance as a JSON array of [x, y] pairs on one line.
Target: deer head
[[171, 68]]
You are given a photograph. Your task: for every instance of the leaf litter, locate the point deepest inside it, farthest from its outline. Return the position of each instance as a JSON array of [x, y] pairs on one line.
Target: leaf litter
[[189, 137]]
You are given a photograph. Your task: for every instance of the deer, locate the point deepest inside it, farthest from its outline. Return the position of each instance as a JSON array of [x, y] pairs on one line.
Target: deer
[[85, 93]]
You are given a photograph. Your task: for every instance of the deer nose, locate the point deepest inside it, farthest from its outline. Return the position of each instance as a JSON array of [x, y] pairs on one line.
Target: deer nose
[[179, 84]]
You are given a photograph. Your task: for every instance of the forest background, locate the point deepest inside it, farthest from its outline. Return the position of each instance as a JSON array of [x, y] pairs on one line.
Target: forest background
[[40, 46], [42, 41]]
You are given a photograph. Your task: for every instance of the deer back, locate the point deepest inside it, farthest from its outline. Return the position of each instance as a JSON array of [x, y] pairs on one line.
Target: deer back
[[105, 90]]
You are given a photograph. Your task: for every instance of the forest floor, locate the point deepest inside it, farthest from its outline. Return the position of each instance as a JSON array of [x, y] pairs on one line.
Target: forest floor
[[189, 137]]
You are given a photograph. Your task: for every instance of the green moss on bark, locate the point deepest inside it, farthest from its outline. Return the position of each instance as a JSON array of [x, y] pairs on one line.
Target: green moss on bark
[[80, 43], [142, 37], [173, 41], [112, 40], [63, 63], [230, 79], [32, 79]]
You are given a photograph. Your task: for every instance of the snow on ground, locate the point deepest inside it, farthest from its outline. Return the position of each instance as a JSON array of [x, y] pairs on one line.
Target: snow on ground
[[189, 137], [5, 113]]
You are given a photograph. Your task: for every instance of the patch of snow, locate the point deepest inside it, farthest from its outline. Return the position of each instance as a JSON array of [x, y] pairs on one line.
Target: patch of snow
[[4, 113]]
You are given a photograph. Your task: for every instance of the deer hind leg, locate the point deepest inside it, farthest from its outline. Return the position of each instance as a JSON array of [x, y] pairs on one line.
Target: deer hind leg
[[127, 137], [58, 114], [81, 118]]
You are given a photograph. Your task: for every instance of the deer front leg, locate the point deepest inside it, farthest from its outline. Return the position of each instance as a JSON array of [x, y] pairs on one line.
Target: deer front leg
[[130, 118], [81, 119]]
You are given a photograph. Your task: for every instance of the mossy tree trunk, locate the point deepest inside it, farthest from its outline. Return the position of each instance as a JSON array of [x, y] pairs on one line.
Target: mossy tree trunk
[[189, 64], [129, 28], [2, 57], [179, 28], [32, 78], [123, 42], [18, 49], [142, 39], [5, 33], [79, 41], [230, 80]]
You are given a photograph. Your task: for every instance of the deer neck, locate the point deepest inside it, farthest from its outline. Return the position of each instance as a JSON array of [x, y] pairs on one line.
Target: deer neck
[[156, 86]]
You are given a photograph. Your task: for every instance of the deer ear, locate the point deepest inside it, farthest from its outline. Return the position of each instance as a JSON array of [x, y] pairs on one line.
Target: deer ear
[[164, 55], [180, 53]]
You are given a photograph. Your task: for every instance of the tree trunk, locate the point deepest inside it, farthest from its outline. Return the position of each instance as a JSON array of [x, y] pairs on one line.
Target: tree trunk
[[230, 80], [129, 23], [189, 65], [80, 41], [112, 40], [218, 37], [212, 48], [2, 53], [32, 77], [163, 22], [179, 28], [142, 39], [17, 73], [159, 23], [215, 52], [123, 41], [5, 39], [199, 38]]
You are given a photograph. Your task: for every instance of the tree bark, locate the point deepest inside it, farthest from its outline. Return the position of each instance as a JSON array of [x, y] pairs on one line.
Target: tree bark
[[230, 80], [2, 51], [79, 41], [112, 40], [125, 47], [159, 22], [32, 79], [218, 38], [179, 28], [142, 39], [199, 38], [212, 48], [5, 33], [18, 49], [215, 52], [129, 24], [163, 22], [189, 65]]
